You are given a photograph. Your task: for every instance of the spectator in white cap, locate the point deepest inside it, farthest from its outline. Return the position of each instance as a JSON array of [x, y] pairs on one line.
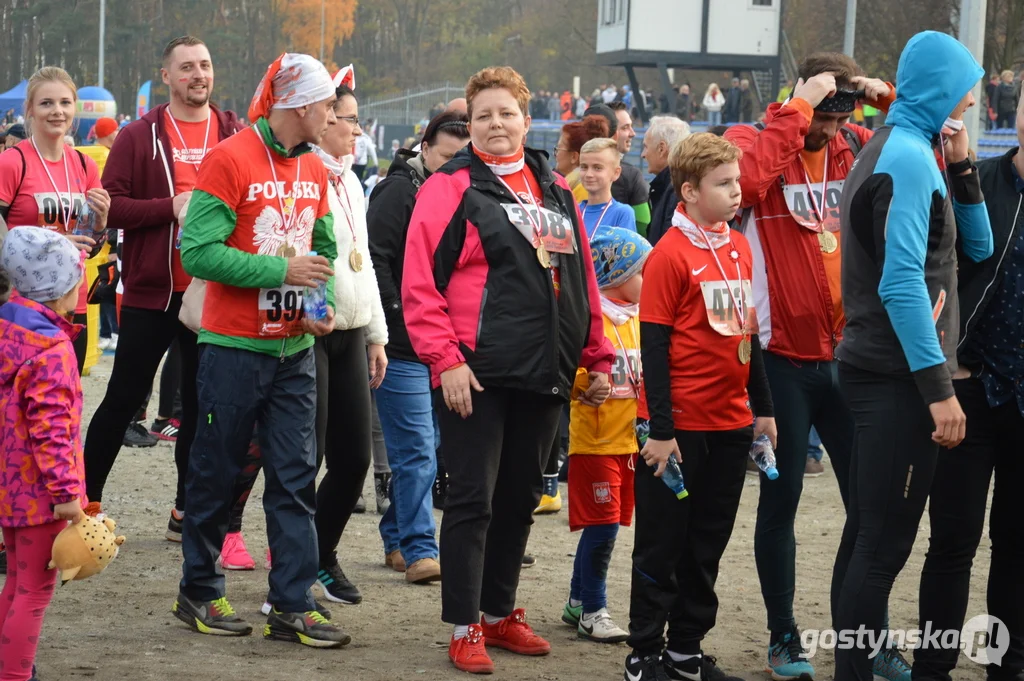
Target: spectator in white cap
[[259, 231]]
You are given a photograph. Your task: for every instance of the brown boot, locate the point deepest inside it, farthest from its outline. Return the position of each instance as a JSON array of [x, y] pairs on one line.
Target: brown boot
[[395, 561], [423, 571]]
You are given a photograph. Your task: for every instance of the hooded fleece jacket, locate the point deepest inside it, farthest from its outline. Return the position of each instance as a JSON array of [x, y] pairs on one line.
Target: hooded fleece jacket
[[41, 462], [899, 232]]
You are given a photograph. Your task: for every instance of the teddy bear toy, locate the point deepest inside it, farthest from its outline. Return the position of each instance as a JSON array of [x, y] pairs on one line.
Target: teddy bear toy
[[85, 548]]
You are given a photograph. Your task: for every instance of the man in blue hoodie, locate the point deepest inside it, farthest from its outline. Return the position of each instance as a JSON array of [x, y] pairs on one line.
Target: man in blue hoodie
[[898, 353]]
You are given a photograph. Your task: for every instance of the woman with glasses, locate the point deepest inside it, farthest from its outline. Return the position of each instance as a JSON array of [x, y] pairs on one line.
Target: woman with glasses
[[344, 375]]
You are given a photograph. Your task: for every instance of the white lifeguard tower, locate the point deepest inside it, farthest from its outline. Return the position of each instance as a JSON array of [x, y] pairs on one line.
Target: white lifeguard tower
[[734, 35]]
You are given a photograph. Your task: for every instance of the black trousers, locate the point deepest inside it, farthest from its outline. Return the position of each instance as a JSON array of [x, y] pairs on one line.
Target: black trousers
[[891, 474], [495, 460], [959, 496], [342, 433], [144, 338], [678, 544]]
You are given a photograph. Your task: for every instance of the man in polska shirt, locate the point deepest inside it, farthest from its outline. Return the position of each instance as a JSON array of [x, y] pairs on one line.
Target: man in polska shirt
[[150, 173], [259, 210]]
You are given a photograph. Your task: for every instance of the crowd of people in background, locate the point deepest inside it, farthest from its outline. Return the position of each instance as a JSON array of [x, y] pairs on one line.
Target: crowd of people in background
[[492, 315]]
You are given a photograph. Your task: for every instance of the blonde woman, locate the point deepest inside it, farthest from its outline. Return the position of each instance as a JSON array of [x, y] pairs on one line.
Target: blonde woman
[[713, 103], [45, 183]]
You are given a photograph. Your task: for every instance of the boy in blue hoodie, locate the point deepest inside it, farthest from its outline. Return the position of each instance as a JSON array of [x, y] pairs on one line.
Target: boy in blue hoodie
[[898, 352]]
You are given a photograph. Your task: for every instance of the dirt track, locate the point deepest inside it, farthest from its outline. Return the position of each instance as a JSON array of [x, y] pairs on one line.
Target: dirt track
[[118, 626]]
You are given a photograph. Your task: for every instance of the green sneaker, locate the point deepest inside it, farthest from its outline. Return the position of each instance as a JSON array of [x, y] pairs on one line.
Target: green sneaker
[[210, 617], [571, 615], [308, 628]]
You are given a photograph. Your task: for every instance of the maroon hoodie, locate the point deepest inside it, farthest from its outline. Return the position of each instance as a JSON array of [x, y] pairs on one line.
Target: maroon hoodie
[[139, 176]]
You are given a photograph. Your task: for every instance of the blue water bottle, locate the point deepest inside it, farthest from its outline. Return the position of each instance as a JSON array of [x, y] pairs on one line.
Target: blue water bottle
[[763, 454], [673, 475], [314, 300]]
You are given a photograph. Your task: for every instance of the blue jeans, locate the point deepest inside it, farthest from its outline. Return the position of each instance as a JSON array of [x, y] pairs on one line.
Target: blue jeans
[[407, 418], [814, 445], [238, 389], [714, 118]]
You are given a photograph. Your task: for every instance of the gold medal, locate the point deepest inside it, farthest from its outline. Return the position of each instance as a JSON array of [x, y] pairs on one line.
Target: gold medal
[[744, 350], [355, 260], [827, 241], [543, 257]]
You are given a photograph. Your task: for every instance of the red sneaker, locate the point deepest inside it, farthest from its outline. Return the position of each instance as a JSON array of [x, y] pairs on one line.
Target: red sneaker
[[514, 634], [469, 654]]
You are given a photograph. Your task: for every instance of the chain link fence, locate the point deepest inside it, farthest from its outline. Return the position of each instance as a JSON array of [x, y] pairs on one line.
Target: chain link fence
[[410, 106]]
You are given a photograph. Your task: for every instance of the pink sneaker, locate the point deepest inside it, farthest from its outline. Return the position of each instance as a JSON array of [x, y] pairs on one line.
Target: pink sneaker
[[234, 555], [267, 564]]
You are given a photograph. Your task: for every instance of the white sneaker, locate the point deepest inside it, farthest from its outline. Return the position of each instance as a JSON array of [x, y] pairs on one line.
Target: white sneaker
[[113, 342], [103, 343], [598, 626]]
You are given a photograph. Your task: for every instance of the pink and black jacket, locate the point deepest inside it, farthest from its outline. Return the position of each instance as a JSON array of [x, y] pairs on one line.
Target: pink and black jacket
[[473, 291]]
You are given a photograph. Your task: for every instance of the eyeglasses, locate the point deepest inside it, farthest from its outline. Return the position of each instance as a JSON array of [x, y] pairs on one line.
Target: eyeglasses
[[558, 149], [351, 120]]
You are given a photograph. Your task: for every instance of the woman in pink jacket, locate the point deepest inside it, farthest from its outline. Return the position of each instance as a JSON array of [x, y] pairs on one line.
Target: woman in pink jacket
[[41, 466], [501, 303]]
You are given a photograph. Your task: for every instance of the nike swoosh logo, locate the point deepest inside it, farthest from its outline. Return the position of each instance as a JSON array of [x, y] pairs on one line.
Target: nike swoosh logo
[[698, 271], [632, 677], [589, 630]]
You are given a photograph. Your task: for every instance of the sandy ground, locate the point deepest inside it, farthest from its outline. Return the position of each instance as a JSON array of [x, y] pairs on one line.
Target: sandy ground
[[119, 626]]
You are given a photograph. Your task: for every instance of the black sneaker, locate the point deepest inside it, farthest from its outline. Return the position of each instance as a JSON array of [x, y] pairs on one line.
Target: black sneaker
[[701, 668], [166, 429], [360, 506], [3, 561], [528, 561], [308, 628], [173, 532], [440, 491], [136, 435], [210, 617], [646, 668], [320, 608], [336, 586]]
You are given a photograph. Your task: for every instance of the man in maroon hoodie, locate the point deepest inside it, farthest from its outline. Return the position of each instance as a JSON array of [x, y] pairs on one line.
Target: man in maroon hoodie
[[150, 174]]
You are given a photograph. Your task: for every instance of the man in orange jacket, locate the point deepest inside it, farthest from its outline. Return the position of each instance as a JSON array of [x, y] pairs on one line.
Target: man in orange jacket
[[793, 170]]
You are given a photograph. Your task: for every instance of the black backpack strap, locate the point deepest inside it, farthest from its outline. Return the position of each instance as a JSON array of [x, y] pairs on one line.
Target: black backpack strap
[[81, 157], [852, 139]]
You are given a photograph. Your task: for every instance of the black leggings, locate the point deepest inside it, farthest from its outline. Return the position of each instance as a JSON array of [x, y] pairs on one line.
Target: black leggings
[[245, 482], [956, 508], [144, 338], [891, 474], [342, 433], [81, 343]]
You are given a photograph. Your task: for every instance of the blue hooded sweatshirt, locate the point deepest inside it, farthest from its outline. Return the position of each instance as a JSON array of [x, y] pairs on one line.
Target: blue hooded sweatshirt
[[898, 228]]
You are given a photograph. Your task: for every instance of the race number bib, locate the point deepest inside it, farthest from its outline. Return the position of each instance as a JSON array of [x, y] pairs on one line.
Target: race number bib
[[626, 366], [555, 228], [280, 311], [718, 300], [799, 201], [52, 206]]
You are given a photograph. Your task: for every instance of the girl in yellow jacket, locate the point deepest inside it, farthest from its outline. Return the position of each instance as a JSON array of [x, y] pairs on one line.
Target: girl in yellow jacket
[[602, 440]]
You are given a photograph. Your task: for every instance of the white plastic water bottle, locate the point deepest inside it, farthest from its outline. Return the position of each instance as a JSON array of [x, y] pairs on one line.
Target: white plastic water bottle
[[763, 454], [314, 300]]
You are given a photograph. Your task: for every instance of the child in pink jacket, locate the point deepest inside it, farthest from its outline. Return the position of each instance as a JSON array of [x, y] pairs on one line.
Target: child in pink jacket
[[42, 473]]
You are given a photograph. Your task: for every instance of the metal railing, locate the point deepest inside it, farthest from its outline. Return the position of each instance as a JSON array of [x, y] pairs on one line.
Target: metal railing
[[410, 106]]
